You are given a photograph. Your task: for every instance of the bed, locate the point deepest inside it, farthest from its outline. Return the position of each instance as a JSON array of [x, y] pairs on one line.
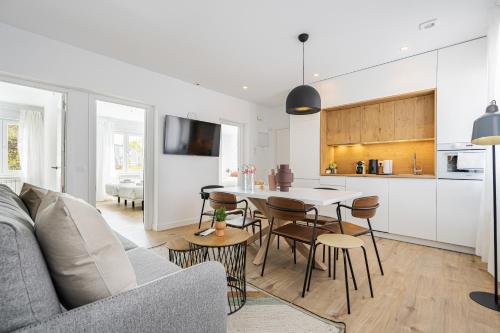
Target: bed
[[128, 191]]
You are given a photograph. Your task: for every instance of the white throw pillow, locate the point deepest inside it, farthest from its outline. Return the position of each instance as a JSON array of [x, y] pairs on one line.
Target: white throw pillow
[[85, 258]]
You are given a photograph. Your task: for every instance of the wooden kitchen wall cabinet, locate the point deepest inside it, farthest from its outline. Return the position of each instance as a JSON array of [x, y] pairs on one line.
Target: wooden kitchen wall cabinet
[[397, 118]]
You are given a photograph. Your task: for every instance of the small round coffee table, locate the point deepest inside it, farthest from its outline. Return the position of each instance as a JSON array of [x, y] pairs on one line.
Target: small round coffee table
[[180, 253], [230, 251]]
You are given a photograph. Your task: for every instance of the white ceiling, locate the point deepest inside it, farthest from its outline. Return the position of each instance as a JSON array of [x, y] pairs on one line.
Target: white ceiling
[[226, 44]]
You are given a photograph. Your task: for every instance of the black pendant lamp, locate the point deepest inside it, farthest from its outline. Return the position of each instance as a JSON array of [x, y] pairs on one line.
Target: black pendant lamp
[[303, 99]]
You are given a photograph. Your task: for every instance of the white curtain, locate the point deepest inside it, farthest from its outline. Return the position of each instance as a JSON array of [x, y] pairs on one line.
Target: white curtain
[[105, 158], [484, 240], [30, 146]]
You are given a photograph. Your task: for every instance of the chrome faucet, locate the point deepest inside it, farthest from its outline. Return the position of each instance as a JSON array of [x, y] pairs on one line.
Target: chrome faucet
[[415, 170]]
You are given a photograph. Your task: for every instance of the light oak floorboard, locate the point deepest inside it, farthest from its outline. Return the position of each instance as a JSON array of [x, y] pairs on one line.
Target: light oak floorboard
[[424, 289]]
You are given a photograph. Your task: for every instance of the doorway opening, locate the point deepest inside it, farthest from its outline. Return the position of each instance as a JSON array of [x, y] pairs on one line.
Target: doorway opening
[[120, 163], [32, 137]]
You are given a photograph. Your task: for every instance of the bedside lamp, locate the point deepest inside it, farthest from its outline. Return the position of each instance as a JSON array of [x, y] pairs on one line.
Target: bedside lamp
[[486, 131]]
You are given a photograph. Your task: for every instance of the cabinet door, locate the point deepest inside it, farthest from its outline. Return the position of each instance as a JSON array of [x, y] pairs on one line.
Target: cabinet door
[[424, 117], [412, 209], [354, 127], [458, 205], [334, 128], [461, 90], [386, 120], [371, 186], [404, 119], [370, 123]]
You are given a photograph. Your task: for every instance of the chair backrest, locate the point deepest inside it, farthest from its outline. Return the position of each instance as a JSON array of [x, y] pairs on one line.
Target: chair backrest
[[286, 209], [204, 195], [365, 207], [223, 200]]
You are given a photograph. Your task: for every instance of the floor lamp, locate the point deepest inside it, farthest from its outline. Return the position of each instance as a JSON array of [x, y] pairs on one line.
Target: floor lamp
[[486, 131]]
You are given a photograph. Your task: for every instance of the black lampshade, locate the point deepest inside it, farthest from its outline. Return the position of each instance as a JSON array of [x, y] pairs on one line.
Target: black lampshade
[[486, 130], [302, 100]]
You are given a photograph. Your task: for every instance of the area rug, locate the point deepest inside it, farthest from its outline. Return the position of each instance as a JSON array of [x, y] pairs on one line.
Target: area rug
[[264, 313]]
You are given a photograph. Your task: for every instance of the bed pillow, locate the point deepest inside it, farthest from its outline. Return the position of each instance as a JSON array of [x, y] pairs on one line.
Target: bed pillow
[[85, 258], [32, 198]]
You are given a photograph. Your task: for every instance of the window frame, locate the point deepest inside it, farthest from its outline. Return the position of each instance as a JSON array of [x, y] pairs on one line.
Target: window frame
[[5, 148], [125, 169]]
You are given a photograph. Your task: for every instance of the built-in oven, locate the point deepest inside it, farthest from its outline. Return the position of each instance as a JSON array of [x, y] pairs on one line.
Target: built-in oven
[[460, 161]]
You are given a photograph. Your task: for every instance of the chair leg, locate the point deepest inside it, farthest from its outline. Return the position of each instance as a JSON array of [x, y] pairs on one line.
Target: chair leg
[[368, 271], [336, 254], [201, 214], [260, 233], [324, 249], [308, 267], [133, 204], [125, 202], [329, 262], [352, 271], [267, 248], [375, 246], [311, 268], [278, 242], [346, 282], [213, 220], [294, 252]]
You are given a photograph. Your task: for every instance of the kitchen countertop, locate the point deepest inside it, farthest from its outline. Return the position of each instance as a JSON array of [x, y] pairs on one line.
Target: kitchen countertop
[[425, 176]]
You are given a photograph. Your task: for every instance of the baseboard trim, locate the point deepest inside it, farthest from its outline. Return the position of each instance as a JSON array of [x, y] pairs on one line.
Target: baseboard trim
[[425, 242]]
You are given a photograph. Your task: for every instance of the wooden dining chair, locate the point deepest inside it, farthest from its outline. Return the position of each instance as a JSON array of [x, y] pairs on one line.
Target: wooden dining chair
[[229, 202], [363, 208], [293, 210], [204, 197]]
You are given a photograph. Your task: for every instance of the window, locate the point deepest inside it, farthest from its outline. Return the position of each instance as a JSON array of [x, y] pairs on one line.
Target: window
[[230, 153], [129, 152], [11, 163]]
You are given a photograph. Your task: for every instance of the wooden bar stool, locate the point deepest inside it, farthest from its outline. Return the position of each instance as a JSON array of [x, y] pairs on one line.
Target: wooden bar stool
[[346, 242]]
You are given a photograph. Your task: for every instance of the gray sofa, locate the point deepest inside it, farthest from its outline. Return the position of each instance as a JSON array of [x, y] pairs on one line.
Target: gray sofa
[[168, 298]]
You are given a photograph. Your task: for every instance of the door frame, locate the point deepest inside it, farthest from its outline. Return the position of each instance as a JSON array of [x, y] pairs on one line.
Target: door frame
[[64, 109], [150, 186], [241, 144]]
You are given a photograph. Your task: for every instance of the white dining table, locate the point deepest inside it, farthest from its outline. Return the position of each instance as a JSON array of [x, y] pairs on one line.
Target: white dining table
[[258, 197]]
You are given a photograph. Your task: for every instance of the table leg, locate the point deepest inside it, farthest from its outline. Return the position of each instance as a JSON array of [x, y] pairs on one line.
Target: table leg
[[300, 247]]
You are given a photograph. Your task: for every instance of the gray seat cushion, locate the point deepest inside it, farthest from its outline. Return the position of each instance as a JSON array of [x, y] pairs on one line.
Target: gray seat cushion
[[27, 293], [149, 266]]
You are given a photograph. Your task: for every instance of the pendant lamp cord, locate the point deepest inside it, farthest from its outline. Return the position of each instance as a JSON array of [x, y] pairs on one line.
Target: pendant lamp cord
[[302, 63]]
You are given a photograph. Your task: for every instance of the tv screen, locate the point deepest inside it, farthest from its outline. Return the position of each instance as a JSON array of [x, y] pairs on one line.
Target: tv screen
[[190, 137]]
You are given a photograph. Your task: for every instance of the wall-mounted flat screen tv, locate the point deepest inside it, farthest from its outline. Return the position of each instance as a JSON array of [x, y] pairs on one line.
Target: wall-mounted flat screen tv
[[184, 136]]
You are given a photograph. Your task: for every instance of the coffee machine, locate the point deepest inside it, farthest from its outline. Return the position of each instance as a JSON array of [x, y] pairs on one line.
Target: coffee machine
[[360, 167], [373, 167]]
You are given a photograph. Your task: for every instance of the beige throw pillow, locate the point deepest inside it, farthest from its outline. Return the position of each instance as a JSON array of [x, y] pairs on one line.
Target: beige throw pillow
[[32, 198], [86, 260]]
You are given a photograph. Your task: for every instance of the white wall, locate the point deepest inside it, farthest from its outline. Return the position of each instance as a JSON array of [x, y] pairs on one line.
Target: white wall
[[179, 178]]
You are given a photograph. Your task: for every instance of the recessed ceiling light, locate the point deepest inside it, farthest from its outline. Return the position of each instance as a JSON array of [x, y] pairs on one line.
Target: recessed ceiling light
[[316, 75], [245, 87], [429, 24], [405, 48]]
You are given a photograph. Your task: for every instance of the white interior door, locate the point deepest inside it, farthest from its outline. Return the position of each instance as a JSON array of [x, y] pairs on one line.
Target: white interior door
[[283, 146]]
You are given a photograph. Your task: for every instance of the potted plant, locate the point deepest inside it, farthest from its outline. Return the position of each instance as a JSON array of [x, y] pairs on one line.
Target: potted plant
[[220, 221]]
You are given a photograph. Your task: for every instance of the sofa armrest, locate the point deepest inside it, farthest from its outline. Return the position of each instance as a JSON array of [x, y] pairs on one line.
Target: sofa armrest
[[190, 300]]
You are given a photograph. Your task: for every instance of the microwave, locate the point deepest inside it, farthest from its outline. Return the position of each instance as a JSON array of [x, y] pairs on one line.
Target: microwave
[[460, 161]]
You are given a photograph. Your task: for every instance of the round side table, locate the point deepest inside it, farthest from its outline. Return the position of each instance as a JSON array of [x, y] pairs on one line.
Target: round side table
[[230, 250], [180, 253]]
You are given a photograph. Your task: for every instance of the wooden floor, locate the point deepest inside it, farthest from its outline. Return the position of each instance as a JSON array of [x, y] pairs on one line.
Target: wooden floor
[[424, 289]]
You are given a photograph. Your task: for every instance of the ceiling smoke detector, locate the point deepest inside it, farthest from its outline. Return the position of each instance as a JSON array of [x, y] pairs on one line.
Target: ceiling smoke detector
[[427, 24]]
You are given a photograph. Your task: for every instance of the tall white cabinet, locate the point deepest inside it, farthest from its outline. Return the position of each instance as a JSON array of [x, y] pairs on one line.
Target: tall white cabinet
[[461, 90], [304, 147]]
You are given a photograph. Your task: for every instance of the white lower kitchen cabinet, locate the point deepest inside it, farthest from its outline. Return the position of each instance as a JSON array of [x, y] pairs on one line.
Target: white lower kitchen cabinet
[[307, 183], [412, 208], [328, 181], [458, 204], [371, 186]]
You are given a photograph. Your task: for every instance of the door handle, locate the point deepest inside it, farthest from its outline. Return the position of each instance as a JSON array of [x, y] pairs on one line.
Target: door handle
[[55, 167]]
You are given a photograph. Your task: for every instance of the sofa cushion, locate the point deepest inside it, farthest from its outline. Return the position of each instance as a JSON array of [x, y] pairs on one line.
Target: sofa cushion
[[85, 258], [149, 266], [27, 293], [126, 243], [32, 199]]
